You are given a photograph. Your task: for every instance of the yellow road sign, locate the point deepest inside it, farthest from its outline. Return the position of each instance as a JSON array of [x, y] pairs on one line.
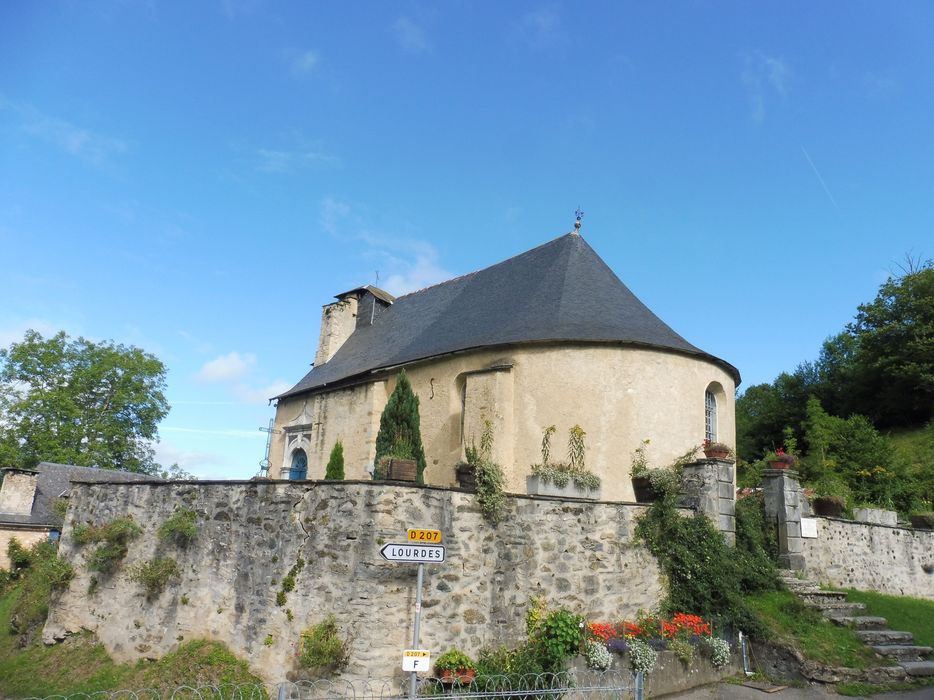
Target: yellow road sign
[[425, 536]]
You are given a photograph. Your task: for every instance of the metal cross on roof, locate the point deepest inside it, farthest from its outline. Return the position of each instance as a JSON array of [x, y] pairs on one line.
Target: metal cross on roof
[[580, 215]]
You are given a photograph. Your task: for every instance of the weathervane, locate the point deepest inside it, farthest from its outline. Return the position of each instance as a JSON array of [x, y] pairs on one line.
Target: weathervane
[[580, 215]]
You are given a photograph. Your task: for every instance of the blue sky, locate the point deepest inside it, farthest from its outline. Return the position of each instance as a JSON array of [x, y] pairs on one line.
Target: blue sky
[[197, 179]]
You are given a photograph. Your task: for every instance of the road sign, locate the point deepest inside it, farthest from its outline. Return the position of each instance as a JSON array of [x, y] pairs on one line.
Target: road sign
[[424, 536], [416, 660], [414, 553]]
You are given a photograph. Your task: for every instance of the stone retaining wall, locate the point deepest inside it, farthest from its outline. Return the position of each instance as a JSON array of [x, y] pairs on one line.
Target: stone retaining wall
[[871, 557], [578, 554]]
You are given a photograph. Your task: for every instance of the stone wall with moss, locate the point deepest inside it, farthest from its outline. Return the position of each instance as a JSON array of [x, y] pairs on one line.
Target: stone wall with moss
[[871, 557], [234, 578]]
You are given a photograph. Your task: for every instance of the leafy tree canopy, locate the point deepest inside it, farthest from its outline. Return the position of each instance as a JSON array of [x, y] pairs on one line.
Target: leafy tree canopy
[[80, 402]]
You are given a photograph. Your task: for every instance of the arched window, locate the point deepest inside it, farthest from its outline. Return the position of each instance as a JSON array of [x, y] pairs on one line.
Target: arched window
[[299, 469], [710, 415]]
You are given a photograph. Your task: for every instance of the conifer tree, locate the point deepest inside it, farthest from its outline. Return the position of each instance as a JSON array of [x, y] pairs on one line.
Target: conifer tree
[[399, 434], [335, 468]]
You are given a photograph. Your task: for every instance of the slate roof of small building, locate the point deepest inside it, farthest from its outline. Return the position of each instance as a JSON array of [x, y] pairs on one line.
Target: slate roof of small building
[[54, 480], [560, 291]]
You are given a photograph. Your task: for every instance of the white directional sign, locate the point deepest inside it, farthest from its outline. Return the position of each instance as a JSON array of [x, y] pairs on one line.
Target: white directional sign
[[414, 553], [414, 660]]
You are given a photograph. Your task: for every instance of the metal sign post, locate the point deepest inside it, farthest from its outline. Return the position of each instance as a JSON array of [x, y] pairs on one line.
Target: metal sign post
[[413, 678]]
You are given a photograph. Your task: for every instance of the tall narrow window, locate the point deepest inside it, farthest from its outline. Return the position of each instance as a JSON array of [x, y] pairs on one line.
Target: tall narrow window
[[710, 416], [299, 469]]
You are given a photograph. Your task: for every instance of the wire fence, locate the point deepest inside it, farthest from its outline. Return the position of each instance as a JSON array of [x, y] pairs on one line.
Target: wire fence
[[611, 685]]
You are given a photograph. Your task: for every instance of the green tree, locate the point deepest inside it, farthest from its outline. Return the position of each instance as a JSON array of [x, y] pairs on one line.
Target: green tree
[[80, 402], [895, 351], [399, 432], [335, 468]]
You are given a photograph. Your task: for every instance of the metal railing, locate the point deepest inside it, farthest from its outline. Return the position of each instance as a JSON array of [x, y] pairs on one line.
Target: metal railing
[[610, 685]]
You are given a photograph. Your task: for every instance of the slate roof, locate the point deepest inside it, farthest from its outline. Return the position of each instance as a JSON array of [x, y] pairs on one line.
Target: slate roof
[[53, 480], [559, 291]]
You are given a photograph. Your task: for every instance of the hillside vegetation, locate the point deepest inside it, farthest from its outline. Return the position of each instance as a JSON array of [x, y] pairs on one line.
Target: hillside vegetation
[[858, 418]]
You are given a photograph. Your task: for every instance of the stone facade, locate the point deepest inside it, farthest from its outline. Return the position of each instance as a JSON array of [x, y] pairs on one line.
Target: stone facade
[[17, 492], [708, 487], [620, 395], [871, 557], [582, 555]]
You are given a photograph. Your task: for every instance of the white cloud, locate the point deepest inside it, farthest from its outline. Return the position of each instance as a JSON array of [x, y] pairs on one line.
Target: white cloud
[[15, 333], [246, 434], [410, 36], [304, 62], [260, 395], [70, 138], [272, 160], [539, 28], [405, 264], [233, 365], [762, 77]]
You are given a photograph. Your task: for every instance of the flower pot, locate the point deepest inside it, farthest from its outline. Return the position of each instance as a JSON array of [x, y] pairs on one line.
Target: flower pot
[[464, 676], [827, 506], [778, 464], [922, 521], [402, 469], [717, 454], [466, 476], [642, 487]]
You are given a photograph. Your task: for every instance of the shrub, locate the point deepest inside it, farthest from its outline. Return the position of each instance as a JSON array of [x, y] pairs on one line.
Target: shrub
[[399, 432], [719, 650], [560, 635], [113, 538], [155, 575], [335, 468], [488, 475], [42, 572], [181, 527], [322, 649]]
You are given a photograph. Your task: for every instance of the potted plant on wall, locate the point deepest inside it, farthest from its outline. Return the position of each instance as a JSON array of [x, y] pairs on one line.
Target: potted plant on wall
[[570, 478], [716, 450], [922, 520], [830, 496], [779, 459], [454, 666]]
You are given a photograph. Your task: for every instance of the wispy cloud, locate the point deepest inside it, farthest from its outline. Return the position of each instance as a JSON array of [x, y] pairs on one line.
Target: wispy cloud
[[763, 76], [273, 160], [225, 368], [260, 395], [15, 333], [405, 263], [246, 434], [820, 178], [65, 136], [410, 35], [304, 62], [539, 27]]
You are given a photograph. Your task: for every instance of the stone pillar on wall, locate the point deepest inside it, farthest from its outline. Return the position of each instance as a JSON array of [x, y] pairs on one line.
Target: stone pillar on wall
[[783, 500], [707, 487]]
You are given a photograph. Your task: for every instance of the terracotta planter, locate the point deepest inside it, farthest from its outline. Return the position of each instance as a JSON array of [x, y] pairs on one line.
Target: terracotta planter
[[642, 486], [402, 469], [466, 477], [778, 464], [464, 676], [827, 506], [717, 454]]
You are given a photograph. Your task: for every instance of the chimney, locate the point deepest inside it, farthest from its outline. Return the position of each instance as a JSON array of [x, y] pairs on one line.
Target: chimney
[[338, 321], [18, 491]]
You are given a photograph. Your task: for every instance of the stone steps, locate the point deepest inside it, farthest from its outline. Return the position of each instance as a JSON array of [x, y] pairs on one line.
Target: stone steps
[[861, 622], [874, 631], [885, 637], [918, 668], [902, 652]]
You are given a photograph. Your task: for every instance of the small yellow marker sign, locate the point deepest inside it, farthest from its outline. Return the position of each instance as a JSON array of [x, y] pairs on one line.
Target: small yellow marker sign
[[416, 660], [424, 535]]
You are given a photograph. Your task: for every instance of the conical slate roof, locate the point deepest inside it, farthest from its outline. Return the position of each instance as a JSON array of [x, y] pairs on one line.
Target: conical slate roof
[[559, 291]]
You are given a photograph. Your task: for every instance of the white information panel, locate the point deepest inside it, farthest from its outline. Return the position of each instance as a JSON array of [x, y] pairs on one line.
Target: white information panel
[[416, 660], [809, 527]]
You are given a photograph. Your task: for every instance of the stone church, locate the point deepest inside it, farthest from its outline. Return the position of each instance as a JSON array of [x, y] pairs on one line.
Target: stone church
[[548, 337]]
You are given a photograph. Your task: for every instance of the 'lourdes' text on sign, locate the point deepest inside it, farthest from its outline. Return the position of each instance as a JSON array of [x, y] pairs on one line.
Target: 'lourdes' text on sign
[[414, 553]]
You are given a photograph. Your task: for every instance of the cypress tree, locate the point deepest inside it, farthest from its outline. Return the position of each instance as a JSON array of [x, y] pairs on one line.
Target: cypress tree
[[335, 468], [399, 434]]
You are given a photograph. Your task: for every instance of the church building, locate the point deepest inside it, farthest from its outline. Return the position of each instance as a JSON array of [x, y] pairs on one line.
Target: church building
[[549, 337]]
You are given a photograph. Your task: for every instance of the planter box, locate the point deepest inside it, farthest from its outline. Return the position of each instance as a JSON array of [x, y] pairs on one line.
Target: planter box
[[535, 486], [466, 477], [399, 469], [642, 489]]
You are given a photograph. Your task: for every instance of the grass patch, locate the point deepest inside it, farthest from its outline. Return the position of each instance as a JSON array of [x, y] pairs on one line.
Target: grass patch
[[794, 624], [906, 614], [856, 690]]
